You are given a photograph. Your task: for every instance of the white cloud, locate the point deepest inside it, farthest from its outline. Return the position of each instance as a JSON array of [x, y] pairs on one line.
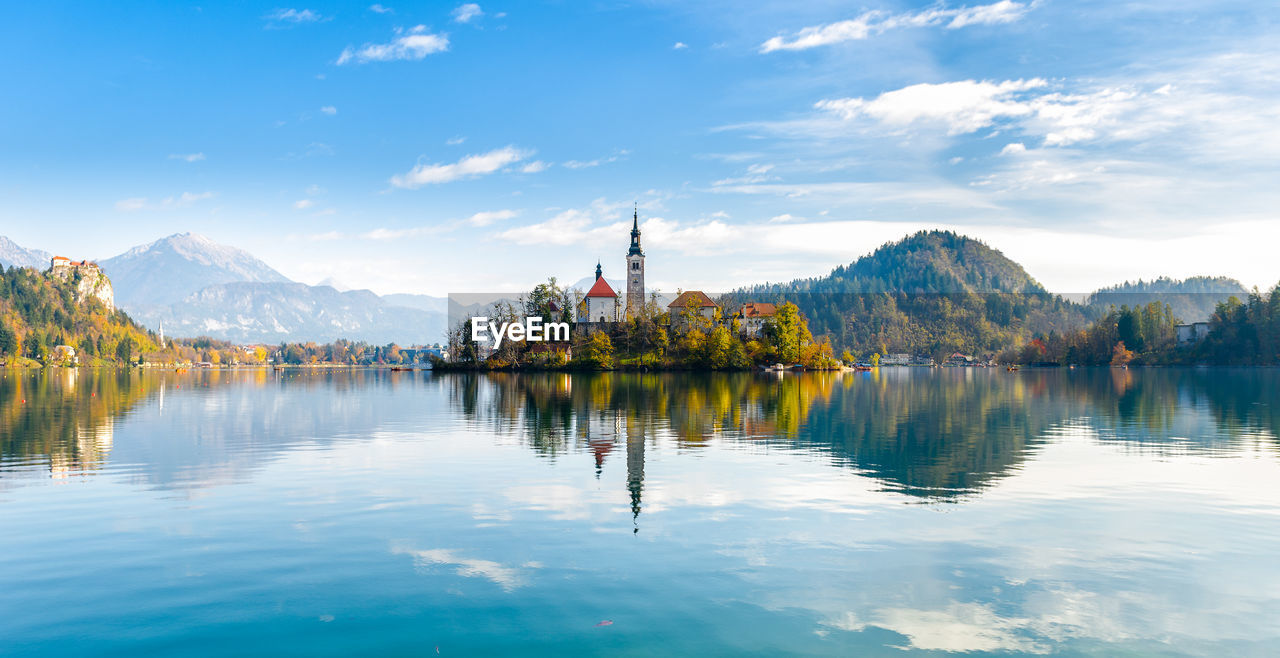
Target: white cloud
[[756, 173], [187, 157], [303, 204], [454, 141], [397, 233], [329, 110], [488, 217], [587, 164], [534, 167], [964, 106], [1013, 149], [294, 16], [876, 22], [467, 12], [379, 9], [168, 203], [416, 44], [468, 167], [783, 218], [680, 45]]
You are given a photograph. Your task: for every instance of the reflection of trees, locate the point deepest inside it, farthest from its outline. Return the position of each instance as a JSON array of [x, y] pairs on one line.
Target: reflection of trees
[[931, 433], [941, 433], [937, 433], [65, 417], [192, 429]]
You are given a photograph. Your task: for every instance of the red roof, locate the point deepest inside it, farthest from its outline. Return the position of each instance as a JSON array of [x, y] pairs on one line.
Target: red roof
[[699, 300], [759, 310], [601, 289]]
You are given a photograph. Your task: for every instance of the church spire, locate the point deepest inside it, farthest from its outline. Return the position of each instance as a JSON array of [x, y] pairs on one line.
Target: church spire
[[599, 272], [635, 234]]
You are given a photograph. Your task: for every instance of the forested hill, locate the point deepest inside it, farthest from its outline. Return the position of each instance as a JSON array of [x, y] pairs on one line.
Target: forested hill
[[934, 292], [39, 312], [1192, 300], [927, 262]]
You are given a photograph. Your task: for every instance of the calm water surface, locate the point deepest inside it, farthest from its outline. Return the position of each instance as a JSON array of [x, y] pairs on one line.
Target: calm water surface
[[1068, 512]]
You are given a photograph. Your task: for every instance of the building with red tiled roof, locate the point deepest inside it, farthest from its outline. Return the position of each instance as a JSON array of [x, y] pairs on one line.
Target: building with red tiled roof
[[700, 303], [602, 304], [752, 317]]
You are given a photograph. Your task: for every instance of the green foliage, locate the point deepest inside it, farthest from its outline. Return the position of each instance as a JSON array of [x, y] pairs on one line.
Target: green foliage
[[931, 293], [8, 340], [39, 312], [1192, 300], [596, 354], [1245, 332]]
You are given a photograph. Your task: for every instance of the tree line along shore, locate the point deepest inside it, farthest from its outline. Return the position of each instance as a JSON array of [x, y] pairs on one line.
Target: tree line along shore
[[44, 322]]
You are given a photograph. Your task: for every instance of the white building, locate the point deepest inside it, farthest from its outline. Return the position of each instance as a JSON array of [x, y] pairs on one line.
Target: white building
[[1195, 332], [602, 305], [753, 316]]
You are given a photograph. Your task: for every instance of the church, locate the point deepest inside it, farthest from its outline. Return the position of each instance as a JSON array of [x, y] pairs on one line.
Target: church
[[603, 304]]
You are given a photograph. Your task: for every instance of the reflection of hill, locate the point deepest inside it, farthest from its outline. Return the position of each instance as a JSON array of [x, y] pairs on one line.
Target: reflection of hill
[[63, 420], [196, 429], [933, 433]]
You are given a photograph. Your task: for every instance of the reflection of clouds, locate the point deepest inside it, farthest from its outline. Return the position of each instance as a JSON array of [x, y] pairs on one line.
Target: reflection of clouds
[[564, 502], [958, 627], [508, 578]]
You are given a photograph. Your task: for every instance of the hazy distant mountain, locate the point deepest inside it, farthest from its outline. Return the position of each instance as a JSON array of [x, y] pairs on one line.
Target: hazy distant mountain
[[584, 284], [255, 312], [420, 302], [12, 254], [172, 268], [1192, 300]]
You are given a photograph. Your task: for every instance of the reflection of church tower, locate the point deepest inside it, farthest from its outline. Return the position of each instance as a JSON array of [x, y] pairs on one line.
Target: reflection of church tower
[[635, 466], [635, 270]]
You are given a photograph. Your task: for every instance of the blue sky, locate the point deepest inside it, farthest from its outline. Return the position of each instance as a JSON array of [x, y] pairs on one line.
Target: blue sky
[[438, 147]]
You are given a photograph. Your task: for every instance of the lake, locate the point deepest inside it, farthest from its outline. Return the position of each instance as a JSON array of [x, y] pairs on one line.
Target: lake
[[897, 512]]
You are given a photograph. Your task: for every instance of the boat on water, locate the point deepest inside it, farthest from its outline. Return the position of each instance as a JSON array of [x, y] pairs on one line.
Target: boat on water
[[777, 367], [862, 367], [797, 366]]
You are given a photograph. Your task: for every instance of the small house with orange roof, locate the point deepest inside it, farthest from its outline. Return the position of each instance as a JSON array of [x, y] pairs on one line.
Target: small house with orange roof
[[752, 317], [696, 300]]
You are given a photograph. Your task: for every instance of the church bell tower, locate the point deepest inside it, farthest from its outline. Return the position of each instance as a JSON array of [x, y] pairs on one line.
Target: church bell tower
[[635, 270]]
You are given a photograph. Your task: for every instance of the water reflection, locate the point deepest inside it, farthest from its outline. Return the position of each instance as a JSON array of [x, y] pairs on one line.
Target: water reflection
[[348, 512], [935, 435]]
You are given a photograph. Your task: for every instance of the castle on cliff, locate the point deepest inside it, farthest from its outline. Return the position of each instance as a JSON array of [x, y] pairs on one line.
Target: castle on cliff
[[91, 281]]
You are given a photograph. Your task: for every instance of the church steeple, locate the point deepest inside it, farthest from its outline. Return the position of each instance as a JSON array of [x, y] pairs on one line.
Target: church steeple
[[599, 272], [635, 234]]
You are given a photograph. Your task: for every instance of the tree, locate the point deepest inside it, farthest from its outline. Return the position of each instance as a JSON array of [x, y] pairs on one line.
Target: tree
[[787, 331], [8, 339], [124, 349], [597, 353], [1120, 356]]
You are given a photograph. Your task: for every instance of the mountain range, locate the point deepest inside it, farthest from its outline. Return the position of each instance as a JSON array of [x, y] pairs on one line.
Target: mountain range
[[893, 296], [13, 255], [197, 287]]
